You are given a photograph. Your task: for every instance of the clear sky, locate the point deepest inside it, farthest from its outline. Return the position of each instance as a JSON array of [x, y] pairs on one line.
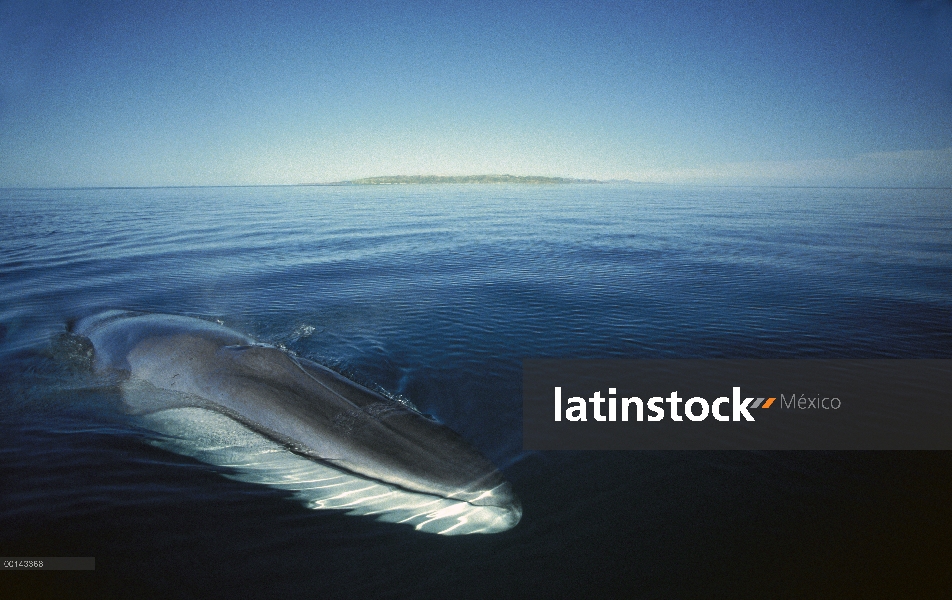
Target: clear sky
[[163, 92]]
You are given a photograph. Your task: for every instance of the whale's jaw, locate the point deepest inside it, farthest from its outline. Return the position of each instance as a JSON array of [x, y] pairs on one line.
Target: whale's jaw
[[245, 455]]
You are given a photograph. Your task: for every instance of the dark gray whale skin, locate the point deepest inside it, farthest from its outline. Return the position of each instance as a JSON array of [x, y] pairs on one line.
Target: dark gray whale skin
[[315, 411]]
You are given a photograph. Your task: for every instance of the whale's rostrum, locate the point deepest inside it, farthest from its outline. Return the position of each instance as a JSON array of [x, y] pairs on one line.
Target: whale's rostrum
[[290, 423]]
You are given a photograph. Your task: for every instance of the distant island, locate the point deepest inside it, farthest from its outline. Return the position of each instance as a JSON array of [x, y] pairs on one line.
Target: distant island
[[419, 179]]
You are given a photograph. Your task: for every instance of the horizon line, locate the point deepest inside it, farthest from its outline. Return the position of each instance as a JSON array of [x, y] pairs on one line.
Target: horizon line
[[347, 183]]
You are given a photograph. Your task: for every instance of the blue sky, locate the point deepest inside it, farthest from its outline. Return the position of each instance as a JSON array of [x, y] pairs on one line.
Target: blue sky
[[220, 93]]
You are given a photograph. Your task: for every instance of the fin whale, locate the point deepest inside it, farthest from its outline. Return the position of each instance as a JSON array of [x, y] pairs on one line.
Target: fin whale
[[223, 398]]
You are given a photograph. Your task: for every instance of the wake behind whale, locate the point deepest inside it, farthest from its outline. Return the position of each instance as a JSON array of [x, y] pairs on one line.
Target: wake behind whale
[[292, 424]]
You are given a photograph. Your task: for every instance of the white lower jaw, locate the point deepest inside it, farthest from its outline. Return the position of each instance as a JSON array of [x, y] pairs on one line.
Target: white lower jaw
[[216, 439]]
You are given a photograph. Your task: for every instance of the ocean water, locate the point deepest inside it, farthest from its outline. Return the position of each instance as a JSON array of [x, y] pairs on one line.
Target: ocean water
[[436, 293]]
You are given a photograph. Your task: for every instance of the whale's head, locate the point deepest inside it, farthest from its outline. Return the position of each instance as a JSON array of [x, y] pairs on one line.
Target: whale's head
[[312, 411]]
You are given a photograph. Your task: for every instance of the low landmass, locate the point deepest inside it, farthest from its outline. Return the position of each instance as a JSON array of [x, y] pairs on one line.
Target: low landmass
[[418, 179]]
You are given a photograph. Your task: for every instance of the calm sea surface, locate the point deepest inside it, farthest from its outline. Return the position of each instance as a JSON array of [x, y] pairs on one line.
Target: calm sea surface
[[437, 293]]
